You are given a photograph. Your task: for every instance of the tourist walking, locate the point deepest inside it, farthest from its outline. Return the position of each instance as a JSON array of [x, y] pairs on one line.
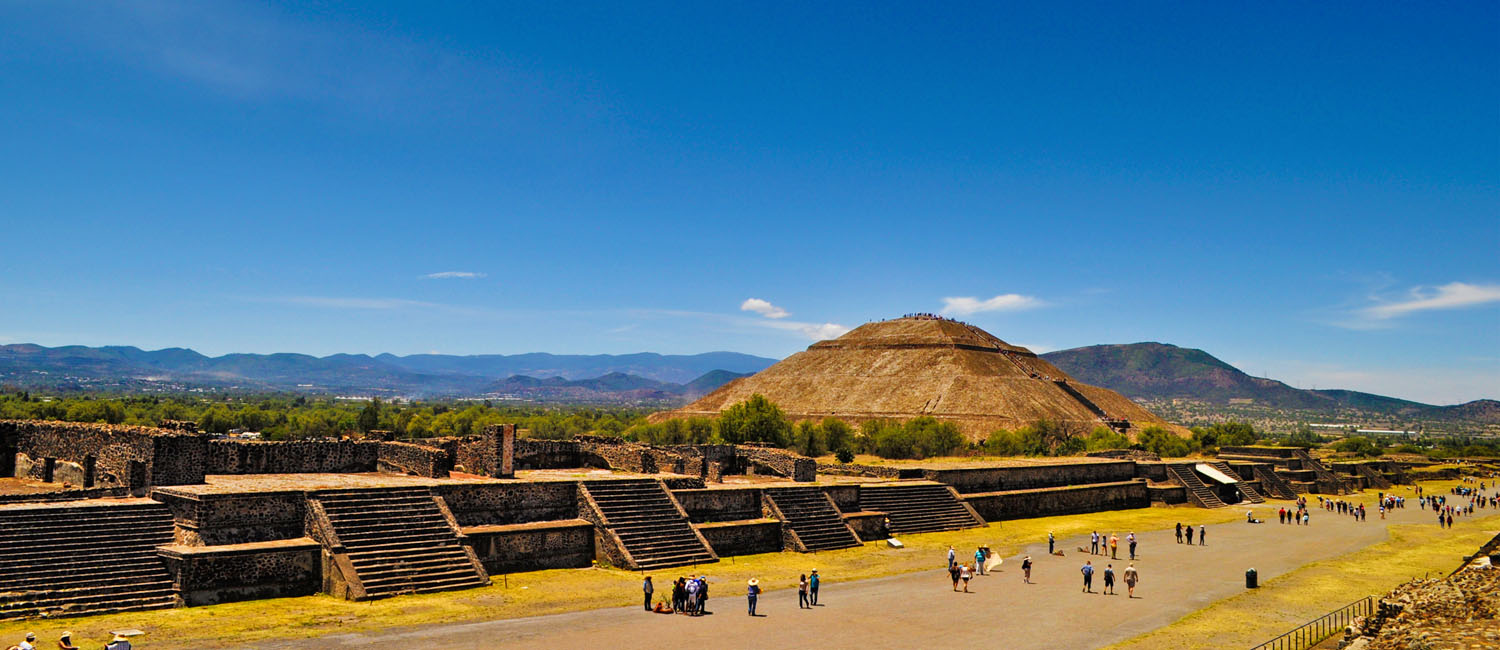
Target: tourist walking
[[1131, 540], [954, 574], [702, 594], [1026, 570], [979, 558], [648, 590], [1088, 576], [1109, 580], [1114, 546], [964, 574], [812, 588], [1051, 543], [1202, 535], [1094, 544], [1179, 532], [1131, 577], [1190, 534], [952, 557], [752, 594], [802, 601]]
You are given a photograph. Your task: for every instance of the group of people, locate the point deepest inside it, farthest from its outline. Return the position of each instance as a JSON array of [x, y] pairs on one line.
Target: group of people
[[1188, 529], [1300, 516], [1340, 506], [65, 642], [689, 596], [961, 572], [1097, 543], [1131, 578]]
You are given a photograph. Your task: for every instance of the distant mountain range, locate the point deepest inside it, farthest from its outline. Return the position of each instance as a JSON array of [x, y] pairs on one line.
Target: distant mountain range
[[1158, 371], [538, 376], [1141, 371]]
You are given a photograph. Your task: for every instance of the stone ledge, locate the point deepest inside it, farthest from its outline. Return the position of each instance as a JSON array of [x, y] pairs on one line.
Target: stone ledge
[[1064, 488], [531, 527], [737, 522], [249, 548]]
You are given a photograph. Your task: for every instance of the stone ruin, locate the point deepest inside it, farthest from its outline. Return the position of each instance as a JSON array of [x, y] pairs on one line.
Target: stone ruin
[[191, 519], [1460, 610]]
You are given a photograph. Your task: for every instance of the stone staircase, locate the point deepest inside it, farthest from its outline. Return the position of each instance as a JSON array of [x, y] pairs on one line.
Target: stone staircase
[[1275, 485], [1200, 494], [815, 522], [1251, 494], [84, 558], [918, 507], [1326, 478], [652, 530], [398, 541], [1376, 479]]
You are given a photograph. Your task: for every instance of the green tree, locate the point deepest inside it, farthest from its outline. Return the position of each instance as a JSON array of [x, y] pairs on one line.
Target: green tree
[[369, 416], [755, 420], [837, 435], [809, 439]]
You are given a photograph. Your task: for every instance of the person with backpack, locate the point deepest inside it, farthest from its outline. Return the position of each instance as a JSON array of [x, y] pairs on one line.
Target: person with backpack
[[752, 594], [1026, 570]]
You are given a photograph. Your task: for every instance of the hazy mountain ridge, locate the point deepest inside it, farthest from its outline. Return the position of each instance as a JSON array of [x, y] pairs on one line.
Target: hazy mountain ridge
[[1159, 371], [634, 377]]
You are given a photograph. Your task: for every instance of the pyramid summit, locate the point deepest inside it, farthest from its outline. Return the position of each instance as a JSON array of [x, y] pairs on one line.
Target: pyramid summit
[[926, 365]]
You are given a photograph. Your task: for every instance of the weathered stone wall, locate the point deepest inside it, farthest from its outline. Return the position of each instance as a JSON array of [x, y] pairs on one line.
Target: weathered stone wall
[[780, 462], [208, 576], [869, 526], [293, 456], [742, 537], [725, 504], [1156, 471], [1169, 494], [872, 471], [845, 497], [8, 434], [554, 454], [417, 460], [105, 455], [1031, 477], [216, 519], [1046, 502], [488, 504], [533, 547], [71, 494]]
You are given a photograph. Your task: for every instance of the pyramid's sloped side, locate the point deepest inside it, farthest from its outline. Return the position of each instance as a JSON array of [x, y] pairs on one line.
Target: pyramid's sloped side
[[911, 367]]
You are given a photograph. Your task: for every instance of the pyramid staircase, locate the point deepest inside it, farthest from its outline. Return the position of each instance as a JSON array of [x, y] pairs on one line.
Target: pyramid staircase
[[72, 559], [1275, 485], [1376, 479], [651, 528], [919, 507], [1184, 475], [815, 523], [396, 541], [1251, 494], [1323, 474]]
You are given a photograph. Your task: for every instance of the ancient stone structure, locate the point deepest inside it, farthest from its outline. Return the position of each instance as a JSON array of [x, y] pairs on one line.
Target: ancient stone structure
[[1293, 465], [230, 520], [932, 366]]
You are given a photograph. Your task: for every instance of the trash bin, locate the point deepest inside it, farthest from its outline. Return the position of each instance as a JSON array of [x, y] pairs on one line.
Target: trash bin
[[1251, 580]]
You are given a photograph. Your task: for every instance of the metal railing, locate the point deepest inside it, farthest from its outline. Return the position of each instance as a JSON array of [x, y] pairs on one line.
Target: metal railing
[[1318, 630]]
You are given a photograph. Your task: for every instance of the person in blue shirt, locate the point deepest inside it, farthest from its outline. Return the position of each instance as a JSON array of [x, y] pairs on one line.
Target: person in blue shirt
[[1088, 576], [752, 594], [812, 587]]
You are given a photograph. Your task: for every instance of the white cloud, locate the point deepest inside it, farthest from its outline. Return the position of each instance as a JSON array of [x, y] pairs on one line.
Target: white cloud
[[454, 275], [764, 308], [965, 305], [814, 331], [1454, 295]]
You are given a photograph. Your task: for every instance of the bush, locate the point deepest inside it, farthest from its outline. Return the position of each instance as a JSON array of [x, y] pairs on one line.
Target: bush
[[1358, 445], [844, 455], [1106, 438], [1164, 443], [755, 420], [922, 437]]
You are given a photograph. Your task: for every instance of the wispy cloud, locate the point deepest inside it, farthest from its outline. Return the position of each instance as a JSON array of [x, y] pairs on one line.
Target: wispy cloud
[[764, 308], [814, 331], [454, 275], [1454, 295], [332, 302], [965, 305]]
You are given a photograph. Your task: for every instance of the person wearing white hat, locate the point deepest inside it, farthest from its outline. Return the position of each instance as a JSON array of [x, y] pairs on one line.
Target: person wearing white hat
[[813, 581], [752, 594], [27, 644], [65, 642]]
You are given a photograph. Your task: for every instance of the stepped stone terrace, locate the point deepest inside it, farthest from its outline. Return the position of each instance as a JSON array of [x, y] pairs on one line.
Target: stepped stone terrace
[[195, 520]]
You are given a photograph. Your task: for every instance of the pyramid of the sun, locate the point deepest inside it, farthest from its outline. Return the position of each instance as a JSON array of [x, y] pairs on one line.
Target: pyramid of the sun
[[926, 365]]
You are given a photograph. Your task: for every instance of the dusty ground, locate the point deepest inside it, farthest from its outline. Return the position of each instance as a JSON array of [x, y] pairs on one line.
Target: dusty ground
[[920, 610]]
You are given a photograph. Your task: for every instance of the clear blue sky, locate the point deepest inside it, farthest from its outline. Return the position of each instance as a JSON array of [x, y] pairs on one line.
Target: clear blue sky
[[1309, 191]]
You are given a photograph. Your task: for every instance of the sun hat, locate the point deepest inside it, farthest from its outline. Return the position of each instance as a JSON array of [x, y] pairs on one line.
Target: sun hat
[[754, 582]]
